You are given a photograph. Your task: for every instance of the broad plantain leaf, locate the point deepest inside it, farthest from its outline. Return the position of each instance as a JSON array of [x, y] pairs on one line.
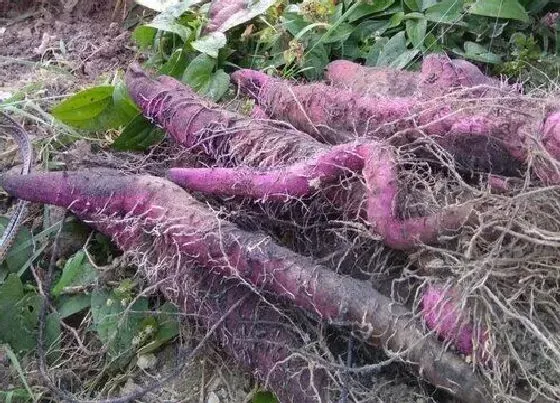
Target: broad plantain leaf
[[210, 44], [138, 135], [20, 251], [510, 9], [77, 271], [20, 314]]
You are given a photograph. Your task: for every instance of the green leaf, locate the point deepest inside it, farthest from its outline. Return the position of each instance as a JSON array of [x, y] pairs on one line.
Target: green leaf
[[340, 34], [217, 85], [16, 364], [294, 23], [144, 36], [138, 135], [68, 305], [123, 108], [97, 108], [426, 4], [115, 328], [315, 61], [416, 31], [395, 54], [167, 22], [84, 106], [52, 336], [20, 251], [264, 397], [414, 5], [368, 8], [210, 44], [375, 51], [167, 328], [475, 51], [396, 19], [20, 314], [199, 71], [446, 12], [16, 396], [77, 271], [510, 9], [176, 65]]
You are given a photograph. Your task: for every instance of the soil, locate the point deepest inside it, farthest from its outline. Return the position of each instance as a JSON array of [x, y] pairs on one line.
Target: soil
[[82, 43]]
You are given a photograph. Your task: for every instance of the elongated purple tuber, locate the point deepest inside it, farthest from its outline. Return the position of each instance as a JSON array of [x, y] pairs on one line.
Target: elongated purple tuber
[[181, 233], [302, 179], [443, 313], [438, 76]]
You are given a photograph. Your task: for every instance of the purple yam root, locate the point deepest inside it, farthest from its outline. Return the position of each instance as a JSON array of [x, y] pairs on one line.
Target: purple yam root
[[130, 208], [439, 75], [380, 176], [372, 160], [328, 114], [282, 183], [226, 137], [443, 313]]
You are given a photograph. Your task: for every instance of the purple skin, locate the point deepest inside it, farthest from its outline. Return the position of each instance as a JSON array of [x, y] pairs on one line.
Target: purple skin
[[225, 137], [375, 162], [336, 116], [187, 235], [284, 183], [439, 75], [482, 142], [333, 115], [109, 201], [381, 181], [443, 313], [235, 141]]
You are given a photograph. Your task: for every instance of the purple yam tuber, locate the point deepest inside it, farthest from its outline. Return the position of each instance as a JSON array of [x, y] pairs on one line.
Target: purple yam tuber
[[226, 137], [292, 181], [236, 141], [333, 115], [374, 161], [182, 234], [443, 313], [439, 75]]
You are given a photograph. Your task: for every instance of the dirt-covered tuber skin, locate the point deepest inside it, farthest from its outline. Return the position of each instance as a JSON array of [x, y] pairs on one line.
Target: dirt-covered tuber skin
[[163, 223], [494, 140], [334, 115], [444, 314], [268, 160], [227, 138], [439, 75], [132, 210], [373, 161]]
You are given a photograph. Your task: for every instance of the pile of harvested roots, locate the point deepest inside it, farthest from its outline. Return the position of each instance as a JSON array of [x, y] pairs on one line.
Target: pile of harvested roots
[[415, 212]]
